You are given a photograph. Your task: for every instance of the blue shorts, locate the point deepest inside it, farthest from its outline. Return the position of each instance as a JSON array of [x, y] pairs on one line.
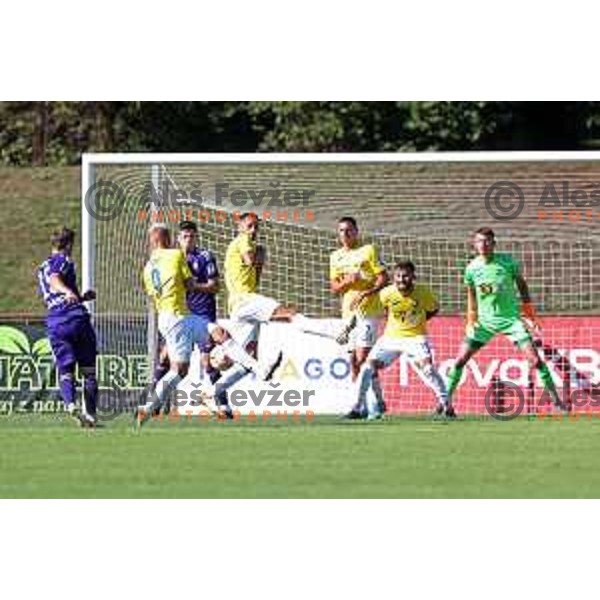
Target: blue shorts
[[200, 335], [73, 342]]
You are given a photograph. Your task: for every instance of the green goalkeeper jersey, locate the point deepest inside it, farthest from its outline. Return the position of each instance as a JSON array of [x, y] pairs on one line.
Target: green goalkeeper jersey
[[494, 283]]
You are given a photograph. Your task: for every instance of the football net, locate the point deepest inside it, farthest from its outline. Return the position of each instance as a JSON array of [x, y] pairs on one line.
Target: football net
[[423, 210]]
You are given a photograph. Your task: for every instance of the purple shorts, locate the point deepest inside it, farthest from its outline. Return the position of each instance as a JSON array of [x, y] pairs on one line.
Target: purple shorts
[[73, 342]]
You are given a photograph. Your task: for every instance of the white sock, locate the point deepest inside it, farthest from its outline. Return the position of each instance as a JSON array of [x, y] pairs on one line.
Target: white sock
[[436, 382], [240, 356], [233, 375], [364, 384], [306, 325], [164, 387], [377, 391]]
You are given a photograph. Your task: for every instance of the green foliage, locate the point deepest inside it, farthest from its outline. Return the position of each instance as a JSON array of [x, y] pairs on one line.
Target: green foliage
[[57, 133]]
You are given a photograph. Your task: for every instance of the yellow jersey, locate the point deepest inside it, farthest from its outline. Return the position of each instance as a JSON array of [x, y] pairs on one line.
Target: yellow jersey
[[240, 278], [164, 280], [407, 315], [365, 261]]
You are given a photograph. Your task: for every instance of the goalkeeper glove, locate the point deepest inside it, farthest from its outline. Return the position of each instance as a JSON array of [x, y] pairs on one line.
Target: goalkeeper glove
[[529, 316]]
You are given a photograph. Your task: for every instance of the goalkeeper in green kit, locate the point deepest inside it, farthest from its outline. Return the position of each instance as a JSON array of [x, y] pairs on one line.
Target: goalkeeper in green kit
[[493, 307]]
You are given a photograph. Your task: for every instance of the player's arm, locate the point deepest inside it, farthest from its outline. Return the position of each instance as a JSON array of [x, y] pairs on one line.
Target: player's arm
[[254, 255], [380, 277], [527, 308], [58, 285], [381, 280], [432, 306], [472, 312], [211, 286], [523, 289], [340, 284]]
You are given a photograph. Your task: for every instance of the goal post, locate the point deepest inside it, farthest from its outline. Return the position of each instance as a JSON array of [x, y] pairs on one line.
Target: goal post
[[419, 206]]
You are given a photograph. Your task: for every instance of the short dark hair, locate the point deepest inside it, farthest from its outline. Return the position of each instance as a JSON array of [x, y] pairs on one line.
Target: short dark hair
[[187, 226], [62, 238], [245, 215], [486, 231], [405, 265], [350, 220]]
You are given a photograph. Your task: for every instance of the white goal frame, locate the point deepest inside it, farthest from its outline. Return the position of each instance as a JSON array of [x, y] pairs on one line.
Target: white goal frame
[[89, 161], [157, 162]]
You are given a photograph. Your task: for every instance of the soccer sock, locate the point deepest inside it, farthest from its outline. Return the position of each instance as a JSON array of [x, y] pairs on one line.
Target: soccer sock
[[376, 384], [163, 388], [374, 398], [240, 356], [90, 393], [454, 375], [361, 400], [365, 381], [436, 383], [67, 388], [215, 375], [306, 325], [548, 382], [159, 372], [230, 378]]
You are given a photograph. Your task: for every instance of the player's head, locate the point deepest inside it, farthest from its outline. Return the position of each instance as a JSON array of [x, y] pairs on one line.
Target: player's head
[[159, 236], [347, 231], [63, 240], [484, 241], [188, 235], [249, 224], [404, 276]]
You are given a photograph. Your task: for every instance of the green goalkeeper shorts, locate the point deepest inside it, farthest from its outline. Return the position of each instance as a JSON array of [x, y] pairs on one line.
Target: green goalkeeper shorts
[[515, 330]]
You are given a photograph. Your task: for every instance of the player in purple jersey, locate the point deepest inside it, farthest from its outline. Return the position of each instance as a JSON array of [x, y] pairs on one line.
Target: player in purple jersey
[[70, 330]]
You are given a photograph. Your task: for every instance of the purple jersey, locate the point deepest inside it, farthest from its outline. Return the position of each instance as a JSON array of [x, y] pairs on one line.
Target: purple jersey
[[203, 266], [62, 265]]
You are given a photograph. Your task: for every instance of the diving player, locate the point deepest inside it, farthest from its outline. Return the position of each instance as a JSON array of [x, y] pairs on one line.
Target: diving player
[[244, 261]]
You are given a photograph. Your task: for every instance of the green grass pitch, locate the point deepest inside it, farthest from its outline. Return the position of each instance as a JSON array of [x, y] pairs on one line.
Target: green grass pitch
[[44, 456]]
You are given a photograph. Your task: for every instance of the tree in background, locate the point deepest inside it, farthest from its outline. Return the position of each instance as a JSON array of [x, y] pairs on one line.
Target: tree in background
[[41, 133]]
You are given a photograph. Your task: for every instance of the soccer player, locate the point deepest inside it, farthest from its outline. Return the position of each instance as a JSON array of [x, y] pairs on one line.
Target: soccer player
[[493, 307], [357, 274], [409, 305], [70, 329], [202, 300], [167, 279], [244, 261]]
